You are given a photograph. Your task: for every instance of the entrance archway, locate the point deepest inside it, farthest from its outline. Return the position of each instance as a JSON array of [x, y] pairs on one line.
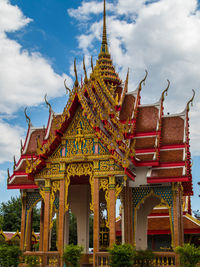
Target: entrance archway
[[79, 198], [142, 212]]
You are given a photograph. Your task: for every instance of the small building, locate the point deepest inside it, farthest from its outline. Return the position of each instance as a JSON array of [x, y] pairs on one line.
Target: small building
[[105, 146]]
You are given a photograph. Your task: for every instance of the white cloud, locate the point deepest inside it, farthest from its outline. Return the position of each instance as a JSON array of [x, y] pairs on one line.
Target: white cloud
[[162, 37], [24, 77], [3, 176], [9, 141]]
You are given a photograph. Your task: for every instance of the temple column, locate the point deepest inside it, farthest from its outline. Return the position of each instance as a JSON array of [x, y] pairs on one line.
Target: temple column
[[23, 220], [46, 215], [128, 215], [112, 212], [178, 227], [41, 225], [29, 230], [61, 217], [96, 218]]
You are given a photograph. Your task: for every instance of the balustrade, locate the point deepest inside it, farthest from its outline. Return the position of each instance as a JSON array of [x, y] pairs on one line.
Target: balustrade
[[43, 259], [161, 259]]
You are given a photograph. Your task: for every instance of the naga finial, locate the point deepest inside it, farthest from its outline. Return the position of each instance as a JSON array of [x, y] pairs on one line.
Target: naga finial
[[67, 88], [8, 173], [143, 80], [125, 90], [165, 91], [92, 64], [14, 160], [76, 76], [21, 149], [84, 68], [126, 82], [28, 120], [191, 100], [47, 103]]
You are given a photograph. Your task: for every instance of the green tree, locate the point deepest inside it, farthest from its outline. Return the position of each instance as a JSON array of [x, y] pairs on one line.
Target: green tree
[[9, 256], [122, 255], [189, 255], [72, 255], [10, 215], [72, 229]]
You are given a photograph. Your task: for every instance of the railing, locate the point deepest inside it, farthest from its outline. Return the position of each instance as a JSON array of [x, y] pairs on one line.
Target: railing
[[101, 259], [44, 259], [161, 259]]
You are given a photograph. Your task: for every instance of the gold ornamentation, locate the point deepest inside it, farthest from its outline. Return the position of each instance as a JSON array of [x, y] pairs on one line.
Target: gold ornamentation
[[54, 188], [104, 185], [79, 169]]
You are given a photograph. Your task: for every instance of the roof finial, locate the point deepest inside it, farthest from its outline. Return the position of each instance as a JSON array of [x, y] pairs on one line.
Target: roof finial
[[104, 44], [84, 68], [67, 88], [28, 120], [165, 91], [47, 103], [21, 143], [125, 90], [143, 80], [191, 101], [76, 84], [92, 64]]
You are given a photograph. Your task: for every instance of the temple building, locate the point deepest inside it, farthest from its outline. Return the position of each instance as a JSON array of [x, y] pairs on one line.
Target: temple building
[[104, 146]]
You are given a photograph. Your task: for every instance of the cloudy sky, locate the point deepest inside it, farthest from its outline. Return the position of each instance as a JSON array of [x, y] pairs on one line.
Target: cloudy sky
[[40, 39]]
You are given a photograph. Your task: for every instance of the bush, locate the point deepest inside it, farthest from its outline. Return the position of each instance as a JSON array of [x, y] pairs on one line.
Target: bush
[[72, 255], [144, 257], [121, 255], [189, 255], [9, 256]]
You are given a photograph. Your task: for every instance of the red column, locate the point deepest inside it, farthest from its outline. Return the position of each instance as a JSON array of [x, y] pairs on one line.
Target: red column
[[46, 215], [112, 212], [96, 218]]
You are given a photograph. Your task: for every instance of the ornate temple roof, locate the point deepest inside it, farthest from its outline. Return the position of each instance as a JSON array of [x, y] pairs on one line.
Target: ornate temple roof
[[135, 135]]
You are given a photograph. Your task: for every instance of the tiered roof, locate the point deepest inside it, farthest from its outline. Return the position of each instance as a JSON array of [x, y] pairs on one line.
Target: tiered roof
[[136, 135]]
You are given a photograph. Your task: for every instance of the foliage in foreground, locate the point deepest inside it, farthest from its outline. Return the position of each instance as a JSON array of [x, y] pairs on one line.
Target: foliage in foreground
[[9, 255], [121, 255], [72, 255], [189, 255]]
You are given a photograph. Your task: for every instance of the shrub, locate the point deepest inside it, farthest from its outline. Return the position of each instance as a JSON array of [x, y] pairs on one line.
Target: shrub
[[121, 255], [144, 257], [9, 256], [189, 255], [72, 255]]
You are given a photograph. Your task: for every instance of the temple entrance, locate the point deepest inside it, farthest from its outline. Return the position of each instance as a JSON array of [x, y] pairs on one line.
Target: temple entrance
[[141, 224], [78, 190]]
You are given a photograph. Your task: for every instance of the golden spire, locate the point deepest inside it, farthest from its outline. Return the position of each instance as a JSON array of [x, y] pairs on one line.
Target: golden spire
[[104, 44]]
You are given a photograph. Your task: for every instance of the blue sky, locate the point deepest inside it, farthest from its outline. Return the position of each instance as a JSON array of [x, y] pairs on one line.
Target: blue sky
[[40, 39]]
